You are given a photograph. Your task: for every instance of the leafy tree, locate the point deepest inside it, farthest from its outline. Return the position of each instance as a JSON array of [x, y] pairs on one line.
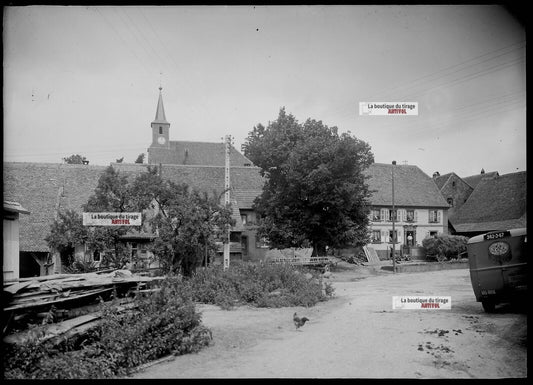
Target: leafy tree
[[76, 159], [187, 223], [66, 231], [315, 192], [140, 158]]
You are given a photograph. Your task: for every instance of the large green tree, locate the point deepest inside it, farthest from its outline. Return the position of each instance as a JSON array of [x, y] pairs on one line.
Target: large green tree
[[315, 192]]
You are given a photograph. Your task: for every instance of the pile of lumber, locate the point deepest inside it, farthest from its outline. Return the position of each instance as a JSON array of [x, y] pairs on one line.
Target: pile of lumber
[[64, 296]]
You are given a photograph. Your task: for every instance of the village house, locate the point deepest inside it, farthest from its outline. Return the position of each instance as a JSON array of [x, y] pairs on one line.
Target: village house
[[497, 202], [420, 209], [454, 189], [483, 202]]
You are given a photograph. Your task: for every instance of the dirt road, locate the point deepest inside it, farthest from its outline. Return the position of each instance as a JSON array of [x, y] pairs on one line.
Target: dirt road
[[358, 335]]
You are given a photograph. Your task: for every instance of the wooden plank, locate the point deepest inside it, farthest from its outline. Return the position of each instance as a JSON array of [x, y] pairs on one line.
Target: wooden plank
[[17, 286], [35, 297], [63, 329], [62, 300], [47, 277]]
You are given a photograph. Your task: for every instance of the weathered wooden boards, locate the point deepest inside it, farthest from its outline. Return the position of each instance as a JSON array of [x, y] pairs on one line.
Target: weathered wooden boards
[[29, 300]]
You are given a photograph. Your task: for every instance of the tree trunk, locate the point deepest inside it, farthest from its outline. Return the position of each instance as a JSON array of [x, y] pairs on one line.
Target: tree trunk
[[319, 249]]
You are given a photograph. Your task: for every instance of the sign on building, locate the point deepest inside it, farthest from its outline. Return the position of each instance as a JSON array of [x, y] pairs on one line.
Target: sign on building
[[112, 219]]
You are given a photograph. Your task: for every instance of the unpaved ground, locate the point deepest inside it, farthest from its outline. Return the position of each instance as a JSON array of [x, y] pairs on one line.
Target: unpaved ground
[[358, 334]]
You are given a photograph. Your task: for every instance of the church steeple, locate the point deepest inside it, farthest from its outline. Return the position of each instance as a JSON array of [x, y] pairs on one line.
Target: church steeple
[[160, 112], [160, 125]]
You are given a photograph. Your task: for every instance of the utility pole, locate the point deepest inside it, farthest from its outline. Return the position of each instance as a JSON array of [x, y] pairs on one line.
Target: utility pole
[[227, 199], [393, 220]]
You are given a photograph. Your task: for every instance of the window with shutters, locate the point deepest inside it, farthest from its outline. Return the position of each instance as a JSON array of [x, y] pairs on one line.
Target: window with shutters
[[395, 236], [393, 215], [402, 215], [434, 216], [410, 216], [376, 215], [384, 214], [376, 236]]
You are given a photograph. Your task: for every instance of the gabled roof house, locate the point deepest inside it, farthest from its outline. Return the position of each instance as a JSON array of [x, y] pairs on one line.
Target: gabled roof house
[[453, 189], [421, 211], [497, 203]]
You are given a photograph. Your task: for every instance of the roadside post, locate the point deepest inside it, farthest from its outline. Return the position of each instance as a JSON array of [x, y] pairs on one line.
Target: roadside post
[[393, 220]]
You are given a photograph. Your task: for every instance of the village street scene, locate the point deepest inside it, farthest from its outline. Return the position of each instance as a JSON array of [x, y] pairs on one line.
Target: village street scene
[[264, 192]]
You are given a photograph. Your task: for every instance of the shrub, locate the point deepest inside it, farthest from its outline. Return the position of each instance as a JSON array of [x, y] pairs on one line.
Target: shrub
[[262, 285], [162, 323], [445, 247]]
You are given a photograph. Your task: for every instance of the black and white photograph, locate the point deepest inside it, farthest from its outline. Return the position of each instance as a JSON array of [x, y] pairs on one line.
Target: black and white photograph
[[264, 191]]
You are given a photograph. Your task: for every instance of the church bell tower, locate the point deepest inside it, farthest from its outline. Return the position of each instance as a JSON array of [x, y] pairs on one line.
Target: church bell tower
[[160, 126]]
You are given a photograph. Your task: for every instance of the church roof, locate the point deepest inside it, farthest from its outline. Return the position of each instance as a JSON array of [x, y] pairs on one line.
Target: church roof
[[160, 111], [206, 154]]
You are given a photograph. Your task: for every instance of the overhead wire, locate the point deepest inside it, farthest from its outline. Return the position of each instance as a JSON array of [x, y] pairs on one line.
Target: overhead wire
[[387, 93], [126, 45], [165, 48]]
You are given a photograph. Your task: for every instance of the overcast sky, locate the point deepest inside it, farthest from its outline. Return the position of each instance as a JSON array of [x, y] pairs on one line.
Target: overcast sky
[[84, 80]]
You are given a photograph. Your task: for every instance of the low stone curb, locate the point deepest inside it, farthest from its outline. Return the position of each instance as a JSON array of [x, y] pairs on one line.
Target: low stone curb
[[426, 266]]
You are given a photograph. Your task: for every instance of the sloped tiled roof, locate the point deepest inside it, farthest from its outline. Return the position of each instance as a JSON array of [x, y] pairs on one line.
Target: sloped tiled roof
[[206, 154], [495, 204], [246, 197], [441, 180], [412, 187], [473, 180], [42, 188]]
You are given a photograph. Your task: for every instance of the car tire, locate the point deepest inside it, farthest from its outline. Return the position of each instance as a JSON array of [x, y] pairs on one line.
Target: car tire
[[488, 305]]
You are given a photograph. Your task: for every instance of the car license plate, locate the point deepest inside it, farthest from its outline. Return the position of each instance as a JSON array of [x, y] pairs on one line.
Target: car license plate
[[498, 235]]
